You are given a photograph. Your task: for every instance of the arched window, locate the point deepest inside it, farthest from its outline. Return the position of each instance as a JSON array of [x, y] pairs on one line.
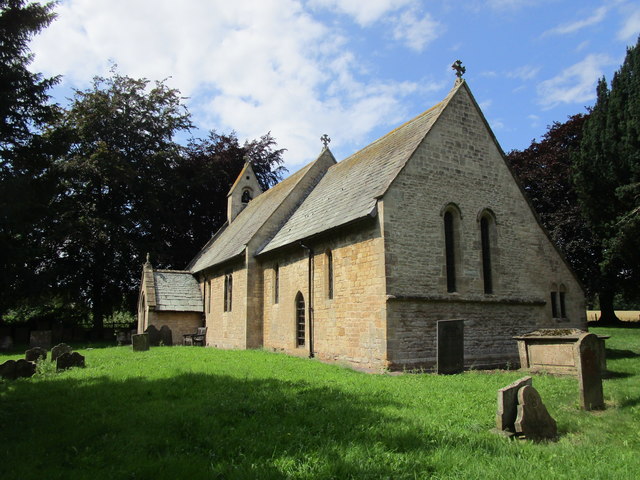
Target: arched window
[[300, 323], [276, 283], [561, 296], [485, 238], [246, 196], [450, 243], [228, 292], [554, 300], [329, 258]]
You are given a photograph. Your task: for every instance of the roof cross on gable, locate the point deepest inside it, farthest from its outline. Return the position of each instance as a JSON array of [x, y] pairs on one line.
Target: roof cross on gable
[[459, 68], [325, 140]]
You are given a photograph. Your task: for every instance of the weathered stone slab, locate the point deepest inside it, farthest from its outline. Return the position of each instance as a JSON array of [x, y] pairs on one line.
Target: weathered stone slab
[[40, 338], [533, 420], [6, 343], [25, 369], [59, 350], [8, 370], [140, 342], [70, 360], [33, 354], [450, 346], [589, 363], [508, 404], [166, 336], [154, 335]]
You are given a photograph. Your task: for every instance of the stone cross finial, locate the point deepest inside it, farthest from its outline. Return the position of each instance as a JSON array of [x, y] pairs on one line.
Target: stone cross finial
[[459, 68], [325, 140], [148, 257]]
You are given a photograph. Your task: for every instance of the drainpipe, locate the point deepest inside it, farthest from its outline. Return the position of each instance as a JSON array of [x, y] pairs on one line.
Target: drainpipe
[[310, 290]]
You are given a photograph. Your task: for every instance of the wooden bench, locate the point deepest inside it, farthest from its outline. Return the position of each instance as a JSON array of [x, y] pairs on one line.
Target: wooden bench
[[198, 338]]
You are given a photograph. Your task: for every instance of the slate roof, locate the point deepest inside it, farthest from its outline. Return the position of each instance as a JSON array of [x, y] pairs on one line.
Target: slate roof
[[232, 238], [349, 190], [177, 291]]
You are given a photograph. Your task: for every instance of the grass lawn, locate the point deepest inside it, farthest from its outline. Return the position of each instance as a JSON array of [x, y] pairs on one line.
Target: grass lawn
[[188, 412]]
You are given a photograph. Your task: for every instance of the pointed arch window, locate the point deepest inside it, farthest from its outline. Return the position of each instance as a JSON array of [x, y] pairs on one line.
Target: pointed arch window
[[228, 292], [450, 243], [329, 258], [276, 283], [300, 320], [485, 240], [246, 196]]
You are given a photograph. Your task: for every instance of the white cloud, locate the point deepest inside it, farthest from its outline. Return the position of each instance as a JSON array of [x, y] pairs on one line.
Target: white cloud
[[631, 27], [512, 4], [248, 66], [364, 12], [595, 18], [575, 84], [526, 72], [415, 30]]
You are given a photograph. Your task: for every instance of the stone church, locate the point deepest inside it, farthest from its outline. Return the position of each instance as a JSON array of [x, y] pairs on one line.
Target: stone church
[[363, 261]]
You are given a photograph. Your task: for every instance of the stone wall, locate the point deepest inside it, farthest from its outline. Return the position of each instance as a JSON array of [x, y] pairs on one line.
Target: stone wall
[[459, 166], [180, 323], [349, 327]]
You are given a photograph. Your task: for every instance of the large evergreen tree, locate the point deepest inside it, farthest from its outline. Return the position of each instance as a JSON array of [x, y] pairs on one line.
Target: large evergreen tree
[[25, 175], [607, 178]]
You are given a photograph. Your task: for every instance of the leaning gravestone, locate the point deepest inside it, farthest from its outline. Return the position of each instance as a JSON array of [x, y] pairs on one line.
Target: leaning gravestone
[[588, 354], [59, 350], [140, 342], [533, 420], [40, 338], [508, 405], [25, 369], [450, 346], [165, 336], [8, 370], [33, 354], [154, 335], [69, 360]]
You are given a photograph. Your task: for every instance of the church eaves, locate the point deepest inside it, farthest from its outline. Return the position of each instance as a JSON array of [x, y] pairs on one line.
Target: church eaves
[[350, 189]]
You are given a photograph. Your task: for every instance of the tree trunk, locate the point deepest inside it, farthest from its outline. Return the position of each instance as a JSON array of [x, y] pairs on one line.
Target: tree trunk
[[607, 313]]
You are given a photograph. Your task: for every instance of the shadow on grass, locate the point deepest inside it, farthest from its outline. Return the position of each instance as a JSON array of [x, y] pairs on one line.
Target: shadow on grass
[[197, 426], [613, 354]]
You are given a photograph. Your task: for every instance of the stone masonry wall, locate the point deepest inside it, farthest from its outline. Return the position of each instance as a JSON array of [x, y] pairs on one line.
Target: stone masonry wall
[[350, 327], [459, 165], [180, 323]]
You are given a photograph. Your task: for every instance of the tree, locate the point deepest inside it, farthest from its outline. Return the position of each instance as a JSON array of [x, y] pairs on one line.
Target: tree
[[25, 174], [606, 175], [544, 171], [204, 175], [114, 175]]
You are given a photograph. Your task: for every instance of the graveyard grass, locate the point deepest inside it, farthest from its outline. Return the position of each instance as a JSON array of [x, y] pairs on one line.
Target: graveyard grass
[[189, 412]]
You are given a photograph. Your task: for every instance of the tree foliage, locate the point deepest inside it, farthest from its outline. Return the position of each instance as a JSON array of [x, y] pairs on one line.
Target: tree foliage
[[544, 171], [606, 174]]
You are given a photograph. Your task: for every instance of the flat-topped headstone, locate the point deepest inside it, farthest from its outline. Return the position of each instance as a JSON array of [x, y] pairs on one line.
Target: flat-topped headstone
[[59, 350], [140, 342], [166, 336], [8, 370], [588, 352], [70, 360], [25, 369], [533, 420], [40, 338], [508, 404], [154, 335], [33, 354], [450, 346]]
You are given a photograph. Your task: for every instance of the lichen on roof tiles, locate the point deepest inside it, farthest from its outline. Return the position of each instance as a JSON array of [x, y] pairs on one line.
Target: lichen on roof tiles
[[177, 291]]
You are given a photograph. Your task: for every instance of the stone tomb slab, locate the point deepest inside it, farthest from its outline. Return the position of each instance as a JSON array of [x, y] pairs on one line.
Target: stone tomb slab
[[588, 363], [533, 420], [508, 405], [450, 346]]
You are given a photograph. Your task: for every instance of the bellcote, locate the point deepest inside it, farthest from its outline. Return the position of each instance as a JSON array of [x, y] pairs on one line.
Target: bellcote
[[244, 189]]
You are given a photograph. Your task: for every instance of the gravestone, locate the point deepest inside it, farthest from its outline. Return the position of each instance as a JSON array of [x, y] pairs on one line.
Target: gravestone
[[8, 370], [69, 360], [25, 369], [450, 346], [533, 420], [154, 335], [508, 404], [165, 336], [6, 343], [59, 350], [123, 337], [588, 354], [34, 353], [140, 342], [40, 338]]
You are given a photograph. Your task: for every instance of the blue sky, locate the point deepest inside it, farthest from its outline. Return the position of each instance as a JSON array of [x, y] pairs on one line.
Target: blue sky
[[353, 69]]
